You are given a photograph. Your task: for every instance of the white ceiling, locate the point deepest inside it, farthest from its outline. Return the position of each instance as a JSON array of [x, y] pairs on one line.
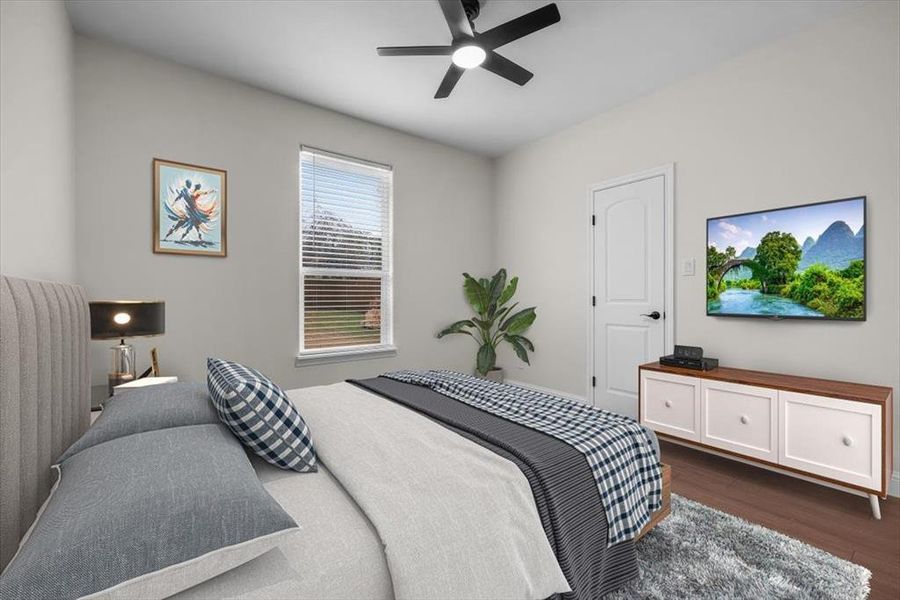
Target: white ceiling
[[600, 55]]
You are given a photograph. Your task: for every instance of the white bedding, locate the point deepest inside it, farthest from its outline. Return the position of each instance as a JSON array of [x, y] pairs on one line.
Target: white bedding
[[401, 507]]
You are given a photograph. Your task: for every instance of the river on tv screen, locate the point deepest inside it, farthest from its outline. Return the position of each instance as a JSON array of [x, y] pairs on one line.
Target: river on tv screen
[[805, 261]]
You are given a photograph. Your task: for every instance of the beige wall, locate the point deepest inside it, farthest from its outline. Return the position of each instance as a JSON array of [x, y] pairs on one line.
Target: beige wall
[[37, 222], [130, 108], [813, 117]]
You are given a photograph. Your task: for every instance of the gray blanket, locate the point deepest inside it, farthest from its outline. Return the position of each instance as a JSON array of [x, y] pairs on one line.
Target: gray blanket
[[456, 519], [561, 481]]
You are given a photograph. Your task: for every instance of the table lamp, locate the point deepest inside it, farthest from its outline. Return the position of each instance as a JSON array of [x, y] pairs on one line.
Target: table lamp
[[125, 319]]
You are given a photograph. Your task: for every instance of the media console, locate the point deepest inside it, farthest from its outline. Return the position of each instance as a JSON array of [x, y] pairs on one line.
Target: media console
[[833, 432]]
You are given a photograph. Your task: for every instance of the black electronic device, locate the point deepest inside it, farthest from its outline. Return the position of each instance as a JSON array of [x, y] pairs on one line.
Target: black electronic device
[[689, 357], [692, 352]]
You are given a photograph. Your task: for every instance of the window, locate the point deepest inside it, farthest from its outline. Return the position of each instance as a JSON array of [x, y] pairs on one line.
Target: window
[[345, 256]]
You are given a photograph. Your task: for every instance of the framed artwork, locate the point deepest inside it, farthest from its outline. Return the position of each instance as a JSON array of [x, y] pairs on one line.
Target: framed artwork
[[189, 209]]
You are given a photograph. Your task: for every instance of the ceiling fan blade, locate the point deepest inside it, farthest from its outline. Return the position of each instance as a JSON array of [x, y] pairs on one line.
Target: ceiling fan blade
[[506, 68], [414, 50], [519, 27], [456, 19], [449, 81]]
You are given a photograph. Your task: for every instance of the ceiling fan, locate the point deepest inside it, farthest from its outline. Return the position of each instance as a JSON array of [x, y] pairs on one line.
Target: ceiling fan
[[471, 49]]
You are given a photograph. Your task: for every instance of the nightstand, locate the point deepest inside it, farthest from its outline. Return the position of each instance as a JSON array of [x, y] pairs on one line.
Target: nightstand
[[99, 395], [142, 383]]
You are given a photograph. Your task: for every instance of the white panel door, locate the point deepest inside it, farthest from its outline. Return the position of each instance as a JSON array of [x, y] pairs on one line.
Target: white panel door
[[629, 288]]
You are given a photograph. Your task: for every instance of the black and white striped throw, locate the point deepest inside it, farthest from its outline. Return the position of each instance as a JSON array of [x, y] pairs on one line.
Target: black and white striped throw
[[618, 450]]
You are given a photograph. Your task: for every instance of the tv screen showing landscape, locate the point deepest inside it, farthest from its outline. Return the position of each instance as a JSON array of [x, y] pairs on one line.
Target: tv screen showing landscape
[[802, 262]]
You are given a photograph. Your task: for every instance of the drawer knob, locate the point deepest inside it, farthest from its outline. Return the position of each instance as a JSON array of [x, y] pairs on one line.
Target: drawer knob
[[848, 441], [744, 419], [668, 404]]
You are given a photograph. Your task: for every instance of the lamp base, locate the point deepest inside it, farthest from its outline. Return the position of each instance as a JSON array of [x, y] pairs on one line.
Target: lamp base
[[121, 365], [114, 379]]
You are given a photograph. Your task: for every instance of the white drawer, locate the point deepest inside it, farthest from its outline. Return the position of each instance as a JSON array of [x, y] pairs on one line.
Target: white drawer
[[740, 418], [833, 438], [671, 404]]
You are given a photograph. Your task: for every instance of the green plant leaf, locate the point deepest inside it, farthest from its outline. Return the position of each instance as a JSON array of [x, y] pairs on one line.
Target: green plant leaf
[[505, 311], [519, 322], [497, 284], [486, 297], [458, 327], [487, 357], [522, 340], [526, 342], [476, 294], [519, 348], [508, 291]]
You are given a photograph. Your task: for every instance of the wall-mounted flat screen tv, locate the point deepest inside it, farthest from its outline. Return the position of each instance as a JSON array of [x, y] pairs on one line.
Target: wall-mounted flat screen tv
[[801, 262]]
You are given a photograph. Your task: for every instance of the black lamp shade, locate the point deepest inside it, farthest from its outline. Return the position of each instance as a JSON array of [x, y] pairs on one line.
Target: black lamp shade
[[126, 319]]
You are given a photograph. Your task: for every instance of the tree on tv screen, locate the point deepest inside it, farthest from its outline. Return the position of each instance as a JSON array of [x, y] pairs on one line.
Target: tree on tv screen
[[777, 257]]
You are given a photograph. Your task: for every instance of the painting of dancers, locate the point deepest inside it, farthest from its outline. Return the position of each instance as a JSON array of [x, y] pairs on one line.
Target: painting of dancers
[[189, 204]]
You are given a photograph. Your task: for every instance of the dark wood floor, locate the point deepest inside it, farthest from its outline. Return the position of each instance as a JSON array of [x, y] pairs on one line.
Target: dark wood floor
[[837, 522]]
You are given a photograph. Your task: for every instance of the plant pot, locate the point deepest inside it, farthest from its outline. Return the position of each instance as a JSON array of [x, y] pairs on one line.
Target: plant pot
[[495, 374]]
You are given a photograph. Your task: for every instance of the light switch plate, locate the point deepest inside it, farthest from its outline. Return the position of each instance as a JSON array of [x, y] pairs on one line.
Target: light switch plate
[[688, 267]]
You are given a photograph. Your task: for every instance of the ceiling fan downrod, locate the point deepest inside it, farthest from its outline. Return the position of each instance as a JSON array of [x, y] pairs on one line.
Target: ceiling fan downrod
[[472, 9]]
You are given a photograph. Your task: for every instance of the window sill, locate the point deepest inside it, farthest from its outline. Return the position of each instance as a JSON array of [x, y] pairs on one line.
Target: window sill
[[305, 359]]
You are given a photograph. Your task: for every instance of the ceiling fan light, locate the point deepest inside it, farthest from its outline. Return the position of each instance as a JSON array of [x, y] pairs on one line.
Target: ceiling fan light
[[468, 57]]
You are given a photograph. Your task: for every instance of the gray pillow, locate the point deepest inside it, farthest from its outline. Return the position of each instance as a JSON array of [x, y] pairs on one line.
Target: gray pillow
[[147, 409], [146, 516]]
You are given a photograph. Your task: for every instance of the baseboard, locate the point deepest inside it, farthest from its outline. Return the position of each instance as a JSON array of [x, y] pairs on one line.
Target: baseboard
[[546, 390], [894, 485]]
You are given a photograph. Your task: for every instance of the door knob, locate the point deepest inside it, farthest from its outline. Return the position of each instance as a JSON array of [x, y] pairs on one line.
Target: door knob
[[654, 315]]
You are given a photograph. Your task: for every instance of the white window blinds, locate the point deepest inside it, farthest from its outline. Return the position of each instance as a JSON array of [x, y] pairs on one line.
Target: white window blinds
[[345, 254]]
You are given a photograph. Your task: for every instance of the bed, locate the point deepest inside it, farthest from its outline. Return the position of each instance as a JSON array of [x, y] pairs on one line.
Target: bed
[[416, 494]]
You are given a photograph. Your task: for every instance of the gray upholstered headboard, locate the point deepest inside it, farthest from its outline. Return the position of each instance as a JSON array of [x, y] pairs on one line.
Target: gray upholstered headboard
[[44, 393]]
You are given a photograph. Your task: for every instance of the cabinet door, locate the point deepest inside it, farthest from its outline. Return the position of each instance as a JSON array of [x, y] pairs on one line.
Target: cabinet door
[[838, 439], [671, 404], [740, 418]]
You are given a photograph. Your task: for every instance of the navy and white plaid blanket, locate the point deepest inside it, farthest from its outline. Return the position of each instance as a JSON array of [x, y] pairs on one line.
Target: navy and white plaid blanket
[[618, 450]]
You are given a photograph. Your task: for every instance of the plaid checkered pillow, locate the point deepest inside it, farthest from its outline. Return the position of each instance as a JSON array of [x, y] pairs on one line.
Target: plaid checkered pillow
[[260, 415]]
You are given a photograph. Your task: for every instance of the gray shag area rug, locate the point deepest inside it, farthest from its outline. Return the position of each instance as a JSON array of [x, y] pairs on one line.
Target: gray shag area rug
[[701, 553]]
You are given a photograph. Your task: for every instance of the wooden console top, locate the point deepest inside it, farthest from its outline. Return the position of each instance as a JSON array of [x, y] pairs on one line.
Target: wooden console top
[[873, 394]]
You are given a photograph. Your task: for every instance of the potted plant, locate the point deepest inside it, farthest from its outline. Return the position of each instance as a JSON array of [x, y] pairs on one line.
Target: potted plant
[[496, 321]]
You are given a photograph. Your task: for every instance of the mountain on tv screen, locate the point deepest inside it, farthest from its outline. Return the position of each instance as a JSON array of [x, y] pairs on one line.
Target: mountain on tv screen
[[802, 262]]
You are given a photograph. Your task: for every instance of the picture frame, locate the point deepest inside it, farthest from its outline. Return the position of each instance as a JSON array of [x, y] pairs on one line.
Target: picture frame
[[190, 209]]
